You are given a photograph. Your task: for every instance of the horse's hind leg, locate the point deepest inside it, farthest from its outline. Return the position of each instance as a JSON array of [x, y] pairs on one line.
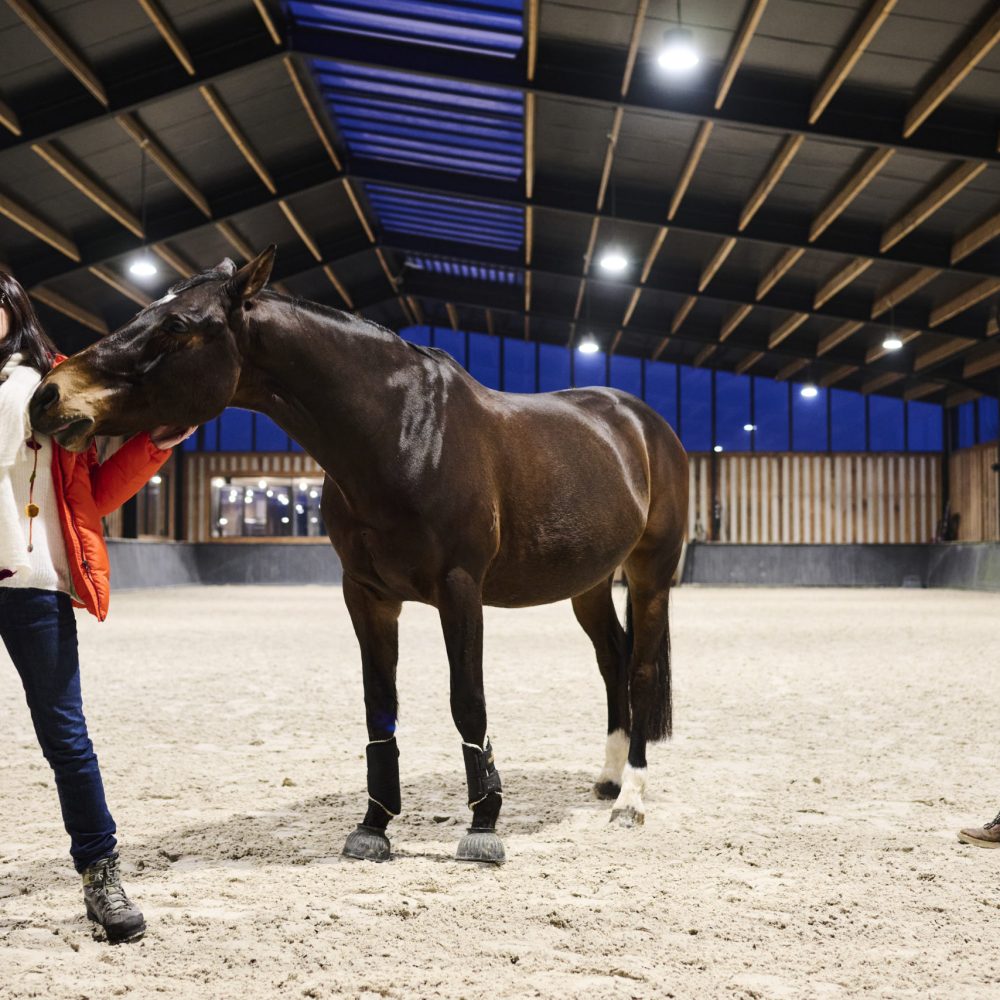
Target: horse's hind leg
[[376, 622], [649, 577], [595, 611]]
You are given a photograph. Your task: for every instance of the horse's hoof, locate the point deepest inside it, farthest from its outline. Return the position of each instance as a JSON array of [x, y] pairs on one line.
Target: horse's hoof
[[482, 846], [607, 790], [628, 817], [367, 843]]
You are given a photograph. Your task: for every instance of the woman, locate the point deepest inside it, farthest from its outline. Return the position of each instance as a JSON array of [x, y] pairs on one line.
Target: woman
[[53, 556]]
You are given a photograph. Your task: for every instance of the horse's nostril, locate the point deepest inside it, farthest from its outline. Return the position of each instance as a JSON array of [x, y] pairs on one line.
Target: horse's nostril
[[46, 397]]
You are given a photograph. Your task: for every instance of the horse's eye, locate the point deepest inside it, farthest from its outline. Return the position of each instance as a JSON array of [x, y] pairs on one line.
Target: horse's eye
[[173, 324]]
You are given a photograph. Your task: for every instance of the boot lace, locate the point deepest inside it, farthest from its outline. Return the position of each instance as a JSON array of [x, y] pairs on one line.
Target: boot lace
[[992, 823], [107, 879]]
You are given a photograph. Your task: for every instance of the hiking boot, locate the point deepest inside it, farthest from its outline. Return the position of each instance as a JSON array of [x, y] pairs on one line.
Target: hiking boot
[[987, 835], [107, 904]]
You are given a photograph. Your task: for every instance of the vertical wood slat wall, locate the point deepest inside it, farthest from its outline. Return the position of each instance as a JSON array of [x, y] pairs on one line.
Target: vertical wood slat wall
[[776, 498], [974, 489], [817, 498]]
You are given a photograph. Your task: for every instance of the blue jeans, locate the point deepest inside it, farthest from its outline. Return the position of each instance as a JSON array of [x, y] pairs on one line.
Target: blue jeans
[[38, 627]]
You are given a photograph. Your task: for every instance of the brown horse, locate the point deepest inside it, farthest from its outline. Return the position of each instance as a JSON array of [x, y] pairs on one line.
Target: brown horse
[[437, 490]]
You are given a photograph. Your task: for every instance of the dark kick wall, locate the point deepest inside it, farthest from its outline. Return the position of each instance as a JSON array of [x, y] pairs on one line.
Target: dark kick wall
[[968, 566], [172, 564]]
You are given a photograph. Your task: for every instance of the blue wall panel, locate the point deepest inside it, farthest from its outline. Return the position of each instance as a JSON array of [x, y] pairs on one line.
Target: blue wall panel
[[661, 390], [885, 421], [553, 367], [696, 408], [732, 411], [589, 369], [847, 412], [808, 421], [484, 359], [770, 415], [925, 431], [626, 373], [519, 366]]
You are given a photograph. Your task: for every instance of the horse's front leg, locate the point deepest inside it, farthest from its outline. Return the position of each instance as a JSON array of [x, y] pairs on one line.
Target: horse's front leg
[[376, 625], [461, 609]]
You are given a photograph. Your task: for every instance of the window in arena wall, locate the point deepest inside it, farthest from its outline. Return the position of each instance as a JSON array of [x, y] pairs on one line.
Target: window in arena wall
[[266, 506]]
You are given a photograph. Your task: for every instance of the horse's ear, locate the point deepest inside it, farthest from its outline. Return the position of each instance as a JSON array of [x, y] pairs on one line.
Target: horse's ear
[[253, 276], [226, 266]]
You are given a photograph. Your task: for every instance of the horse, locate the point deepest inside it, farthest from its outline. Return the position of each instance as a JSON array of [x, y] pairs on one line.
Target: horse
[[437, 490]]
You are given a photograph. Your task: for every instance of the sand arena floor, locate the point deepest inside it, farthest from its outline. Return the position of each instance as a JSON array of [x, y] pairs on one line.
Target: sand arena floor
[[800, 840]]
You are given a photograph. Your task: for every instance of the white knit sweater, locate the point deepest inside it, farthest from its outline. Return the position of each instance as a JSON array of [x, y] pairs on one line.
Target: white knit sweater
[[48, 563], [46, 566]]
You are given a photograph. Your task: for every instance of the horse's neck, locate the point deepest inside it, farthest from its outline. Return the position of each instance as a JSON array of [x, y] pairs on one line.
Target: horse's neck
[[322, 377]]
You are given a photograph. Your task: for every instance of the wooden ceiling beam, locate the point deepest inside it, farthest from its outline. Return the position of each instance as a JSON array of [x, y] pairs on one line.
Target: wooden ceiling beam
[[300, 230], [724, 249], [88, 187], [315, 120], [778, 270], [68, 308], [838, 281], [265, 16], [529, 145], [786, 329], [959, 396], [905, 288], [654, 250], [532, 46], [609, 155], [966, 300], [228, 232], [930, 202], [836, 337], [174, 260], [240, 141], [120, 285], [682, 313], [690, 165], [145, 140], [489, 322], [984, 363], [837, 375], [932, 355], [975, 238], [703, 355], [633, 45], [632, 303], [792, 368], [953, 74], [659, 349], [748, 362], [733, 320], [878, 351], [59, 47], [875, 17], [754, 12], [386, 270], [358, 210], [882, 381], [855, 184], [452, 315], [780, 163], [9, 119], [168, 33], [920, 390], [341, 289], [38, 228]]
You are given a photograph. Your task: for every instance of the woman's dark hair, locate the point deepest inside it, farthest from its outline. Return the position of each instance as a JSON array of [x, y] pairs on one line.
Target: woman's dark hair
[[24, 333]]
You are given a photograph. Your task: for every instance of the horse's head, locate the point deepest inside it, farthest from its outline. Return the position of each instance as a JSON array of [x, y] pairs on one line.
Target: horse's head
[[175, 363]]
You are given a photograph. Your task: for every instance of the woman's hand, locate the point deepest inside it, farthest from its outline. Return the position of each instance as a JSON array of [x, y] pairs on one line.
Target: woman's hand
[[167, 437]]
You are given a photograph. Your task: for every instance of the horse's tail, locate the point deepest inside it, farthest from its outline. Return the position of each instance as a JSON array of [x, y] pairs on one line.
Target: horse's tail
[[660, 720]]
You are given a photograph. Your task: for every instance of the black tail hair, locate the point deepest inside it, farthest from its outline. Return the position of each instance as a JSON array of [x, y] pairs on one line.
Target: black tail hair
[[660, 720]]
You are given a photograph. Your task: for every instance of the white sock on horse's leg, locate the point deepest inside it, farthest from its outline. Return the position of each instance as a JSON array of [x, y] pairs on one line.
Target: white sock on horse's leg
[[615, 756], [629, 804]]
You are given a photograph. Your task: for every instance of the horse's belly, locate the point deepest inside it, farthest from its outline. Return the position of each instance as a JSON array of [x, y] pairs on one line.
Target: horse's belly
[[539, 570]]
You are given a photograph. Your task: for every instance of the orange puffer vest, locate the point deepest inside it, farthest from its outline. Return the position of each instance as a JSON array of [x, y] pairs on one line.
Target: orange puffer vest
[[87, 490]]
